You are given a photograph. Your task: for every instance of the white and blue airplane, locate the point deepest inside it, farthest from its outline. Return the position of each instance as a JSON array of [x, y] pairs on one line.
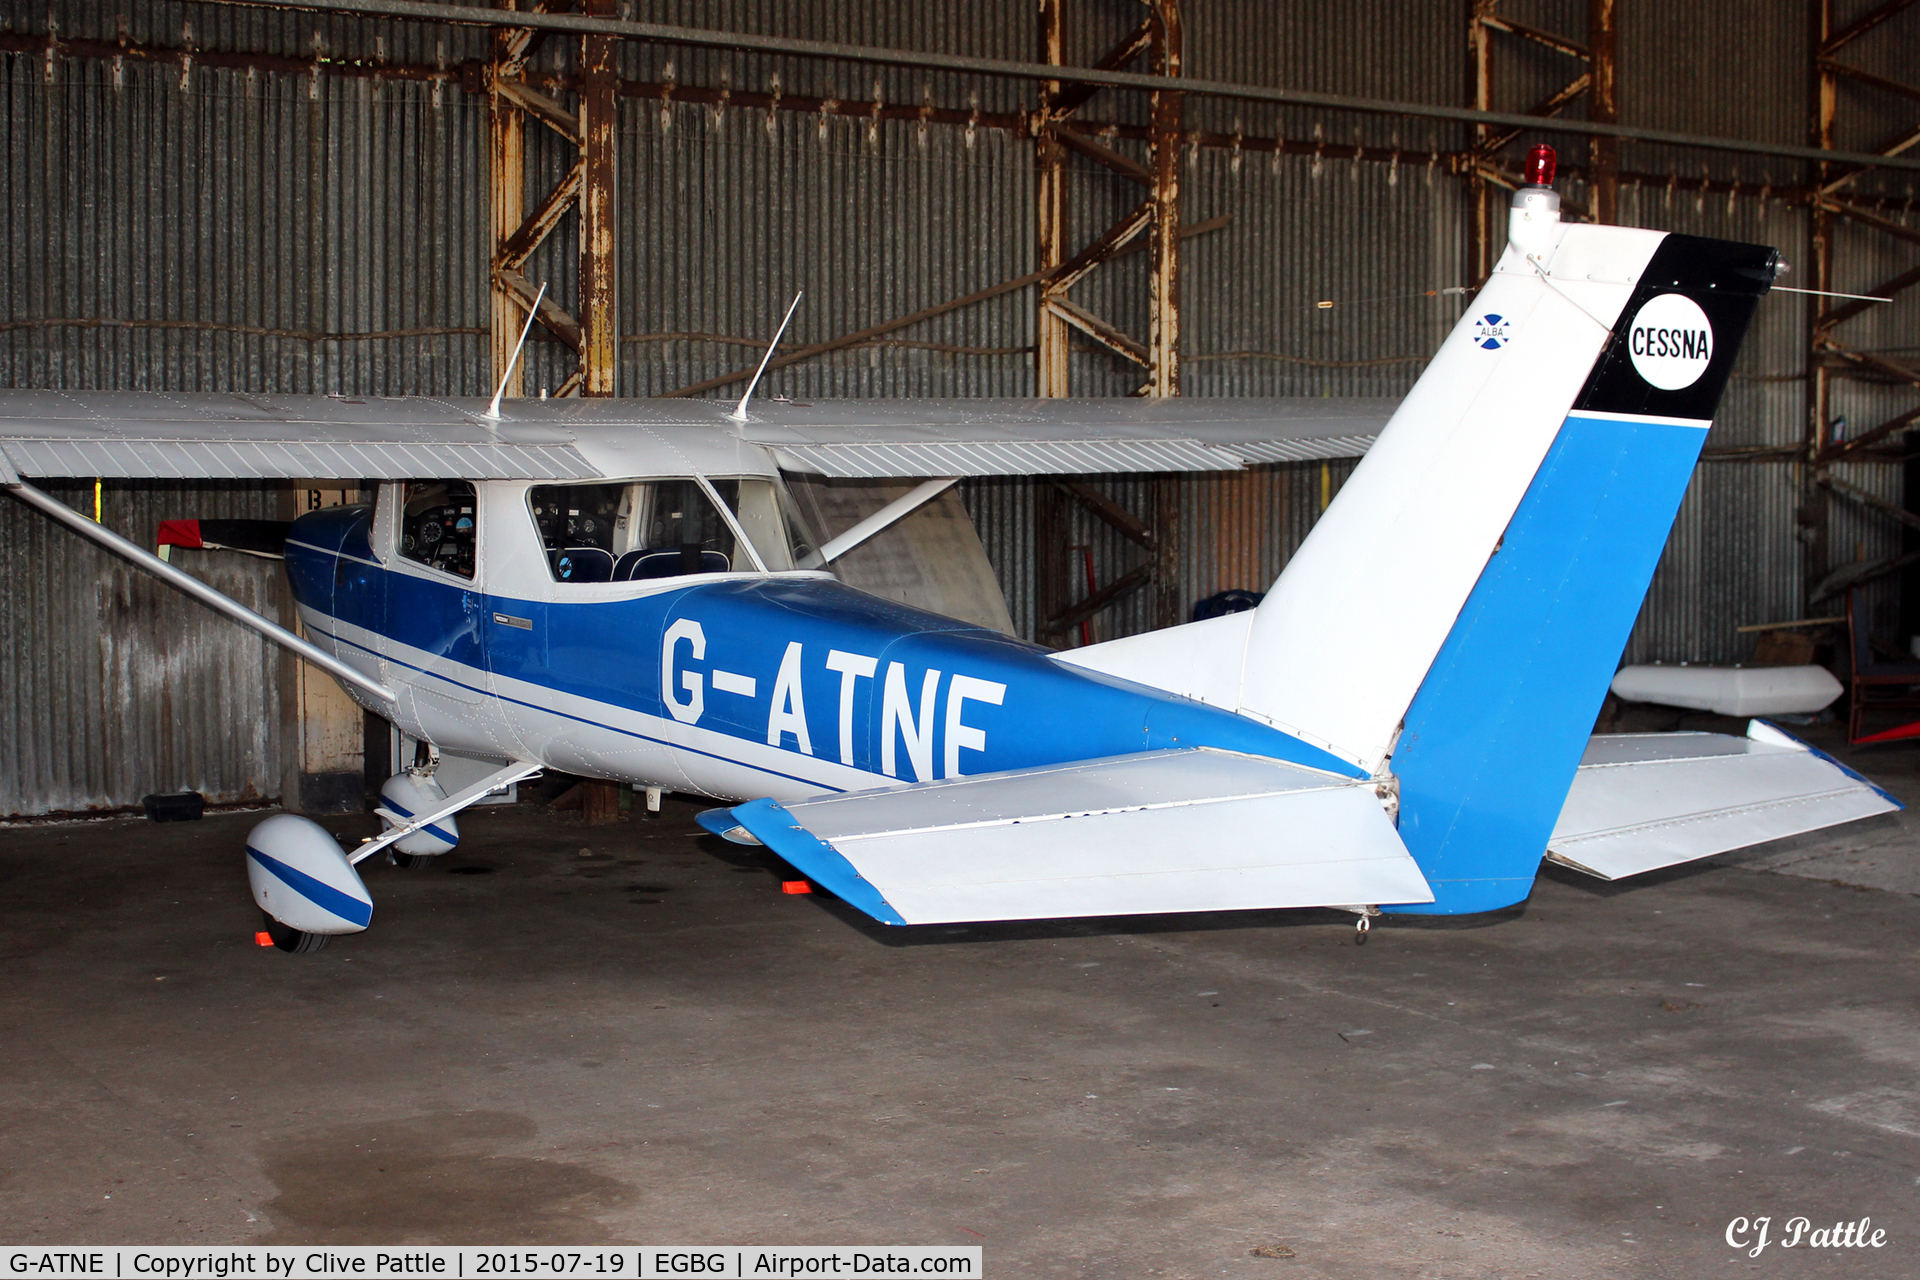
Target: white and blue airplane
[[624, 590]]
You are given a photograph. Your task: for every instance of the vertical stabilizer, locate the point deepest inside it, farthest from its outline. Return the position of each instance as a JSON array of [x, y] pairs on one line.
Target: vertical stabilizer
[[1341, 643], [1495, 734]]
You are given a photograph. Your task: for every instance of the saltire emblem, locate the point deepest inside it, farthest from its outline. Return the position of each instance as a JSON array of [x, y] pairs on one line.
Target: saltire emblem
[[1492, 332]]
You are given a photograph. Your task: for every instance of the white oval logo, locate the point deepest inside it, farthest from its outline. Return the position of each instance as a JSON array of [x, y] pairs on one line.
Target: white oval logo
[[1671, 342]]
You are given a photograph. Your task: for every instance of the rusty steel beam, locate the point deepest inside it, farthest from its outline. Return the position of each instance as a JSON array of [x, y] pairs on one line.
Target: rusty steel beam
[[552, 317], [1866, 499], [1114, 592], [1103, 248], [1100, 330], [506, 203], [1866, 360], [1885, 85], [1548, 107], [541, 107], [545, 217], [1559, 44], [1603, 154], [1816, 501], [1102, 154], [1053, 345], [1824, 323], [1123, 521], [1076, 96], [1169, 609], [1867, 22], [1853, 212], [1839, 452], [1900, 142], [472, 77], [1481, 228], [1166, 108], [599, 119], [470, 15]]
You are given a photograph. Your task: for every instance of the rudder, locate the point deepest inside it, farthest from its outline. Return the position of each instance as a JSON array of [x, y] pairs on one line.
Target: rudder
[[1496, 730]]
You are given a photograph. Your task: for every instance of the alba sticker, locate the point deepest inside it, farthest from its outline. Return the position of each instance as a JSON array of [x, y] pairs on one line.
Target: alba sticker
[[1671, 342]]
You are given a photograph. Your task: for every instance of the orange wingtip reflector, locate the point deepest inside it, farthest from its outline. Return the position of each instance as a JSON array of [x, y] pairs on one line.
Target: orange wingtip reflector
[[795, 886], [263, 939]]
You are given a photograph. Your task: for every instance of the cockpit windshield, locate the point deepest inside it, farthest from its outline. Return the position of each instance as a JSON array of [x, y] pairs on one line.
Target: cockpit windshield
[[639, 529]]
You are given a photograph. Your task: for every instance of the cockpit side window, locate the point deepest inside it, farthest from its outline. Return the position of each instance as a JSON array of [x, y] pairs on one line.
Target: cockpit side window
[[439, 525], [632, 531], [771, 520]]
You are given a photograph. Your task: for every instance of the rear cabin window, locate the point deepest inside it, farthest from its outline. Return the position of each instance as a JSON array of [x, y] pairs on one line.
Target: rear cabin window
[[632, 531], [438, 525]]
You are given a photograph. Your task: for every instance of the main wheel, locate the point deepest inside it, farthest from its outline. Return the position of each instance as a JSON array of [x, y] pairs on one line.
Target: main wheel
[[291, 940], [411, 861]]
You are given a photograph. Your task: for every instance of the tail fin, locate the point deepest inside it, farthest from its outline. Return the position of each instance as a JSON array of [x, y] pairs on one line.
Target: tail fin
[[1336, 651], [1460, 606], [1496, 731]]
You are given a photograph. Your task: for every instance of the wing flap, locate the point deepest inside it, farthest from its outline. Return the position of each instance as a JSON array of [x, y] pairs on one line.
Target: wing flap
[[1644, 801], [1164, 831]]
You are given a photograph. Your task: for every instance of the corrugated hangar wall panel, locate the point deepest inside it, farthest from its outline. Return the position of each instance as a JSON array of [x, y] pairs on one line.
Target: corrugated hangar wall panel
[[224, 231], [736, 211], [112, 685]]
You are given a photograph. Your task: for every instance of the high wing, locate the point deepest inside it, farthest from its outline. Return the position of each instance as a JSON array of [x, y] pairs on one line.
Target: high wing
[[1184, 830], [241, 435], [1648, 800], [1058, 437]]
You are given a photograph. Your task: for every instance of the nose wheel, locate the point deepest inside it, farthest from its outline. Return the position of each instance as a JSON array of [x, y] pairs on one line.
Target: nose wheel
[[288, 939]]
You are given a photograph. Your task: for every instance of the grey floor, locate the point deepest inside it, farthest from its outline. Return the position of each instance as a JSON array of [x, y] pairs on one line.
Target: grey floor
[[653, 1044]]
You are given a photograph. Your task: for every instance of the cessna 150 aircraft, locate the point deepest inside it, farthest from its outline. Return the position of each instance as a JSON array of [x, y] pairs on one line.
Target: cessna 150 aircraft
[[623, 590]]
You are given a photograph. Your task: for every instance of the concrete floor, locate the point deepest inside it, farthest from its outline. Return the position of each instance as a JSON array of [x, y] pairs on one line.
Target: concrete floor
[[654, 1044]]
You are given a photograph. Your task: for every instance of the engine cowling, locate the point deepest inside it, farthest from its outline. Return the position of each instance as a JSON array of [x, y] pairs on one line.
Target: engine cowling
[[301, 877]]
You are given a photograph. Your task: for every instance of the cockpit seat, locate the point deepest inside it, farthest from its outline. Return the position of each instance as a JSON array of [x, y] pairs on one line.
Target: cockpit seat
[[581, 564], [668, 562]]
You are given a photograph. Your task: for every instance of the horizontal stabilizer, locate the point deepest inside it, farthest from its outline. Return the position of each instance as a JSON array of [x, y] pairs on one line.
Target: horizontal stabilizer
[[1162, 831], [1648, 800]]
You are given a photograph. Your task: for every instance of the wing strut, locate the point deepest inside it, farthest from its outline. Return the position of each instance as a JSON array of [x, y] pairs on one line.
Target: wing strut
[[404, 827], [199, 590], [902, 506]]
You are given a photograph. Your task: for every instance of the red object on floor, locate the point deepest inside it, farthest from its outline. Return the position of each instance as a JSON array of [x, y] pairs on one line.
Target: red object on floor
[[1899, 733], [180, 533], [795, 886], [263, 938]]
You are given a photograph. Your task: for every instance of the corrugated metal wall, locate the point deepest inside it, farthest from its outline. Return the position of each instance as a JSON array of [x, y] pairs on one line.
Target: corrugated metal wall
[[187, 224], [112, 685]]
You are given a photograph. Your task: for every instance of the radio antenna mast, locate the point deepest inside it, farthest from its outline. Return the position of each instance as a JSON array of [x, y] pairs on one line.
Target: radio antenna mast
[[739, 413], [493, 410]]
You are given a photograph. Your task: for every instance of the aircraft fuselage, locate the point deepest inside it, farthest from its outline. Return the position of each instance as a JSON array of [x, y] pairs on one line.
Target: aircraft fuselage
[[734, 685]]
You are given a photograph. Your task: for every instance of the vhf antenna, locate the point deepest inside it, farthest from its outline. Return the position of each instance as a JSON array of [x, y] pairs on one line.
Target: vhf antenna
[[739, 413], [493, 410]]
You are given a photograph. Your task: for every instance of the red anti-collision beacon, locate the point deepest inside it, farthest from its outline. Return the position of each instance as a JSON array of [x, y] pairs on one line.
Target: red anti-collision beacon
[[1540, 166], [1533, 223]]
